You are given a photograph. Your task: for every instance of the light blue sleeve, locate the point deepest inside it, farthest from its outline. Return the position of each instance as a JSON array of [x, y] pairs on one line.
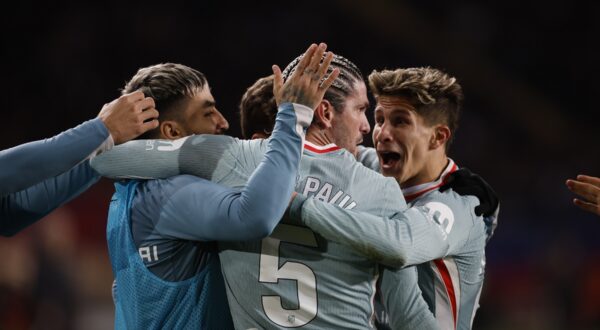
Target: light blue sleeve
[[368, 157], [409, 237], [21, 209], [403, 301], [202, 210], [28, 164], [200, 155]]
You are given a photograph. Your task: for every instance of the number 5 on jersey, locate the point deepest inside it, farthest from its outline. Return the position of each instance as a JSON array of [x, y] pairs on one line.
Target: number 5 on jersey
[[270, 272]]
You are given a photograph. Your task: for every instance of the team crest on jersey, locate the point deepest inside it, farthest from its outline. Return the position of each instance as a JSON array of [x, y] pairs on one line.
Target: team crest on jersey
[[442, 215]]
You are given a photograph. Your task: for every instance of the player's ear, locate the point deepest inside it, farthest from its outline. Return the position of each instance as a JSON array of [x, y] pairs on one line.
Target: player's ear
[[324, 114], [440, 136], [171, 130]]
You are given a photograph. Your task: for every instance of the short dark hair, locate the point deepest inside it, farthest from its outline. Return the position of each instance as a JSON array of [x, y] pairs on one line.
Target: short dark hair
[[436, 95], [343, 84], [258, 108], [168, 84]]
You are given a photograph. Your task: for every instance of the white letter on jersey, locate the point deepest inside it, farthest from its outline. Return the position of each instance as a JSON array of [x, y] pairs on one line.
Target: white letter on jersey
[[145, 253], [170, 145], [324, 193], [312, 184]]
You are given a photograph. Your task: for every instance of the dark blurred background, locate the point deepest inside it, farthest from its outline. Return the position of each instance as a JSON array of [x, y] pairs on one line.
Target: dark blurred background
[[528, 70]]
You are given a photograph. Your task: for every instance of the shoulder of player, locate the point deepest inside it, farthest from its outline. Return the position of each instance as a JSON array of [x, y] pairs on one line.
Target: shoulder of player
[[166, 187], [222, 141], [461, 206], [374, 176], [464, 227]]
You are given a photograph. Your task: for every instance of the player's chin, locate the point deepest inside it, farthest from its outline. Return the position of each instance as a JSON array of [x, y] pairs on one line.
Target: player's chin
[[391, 170]]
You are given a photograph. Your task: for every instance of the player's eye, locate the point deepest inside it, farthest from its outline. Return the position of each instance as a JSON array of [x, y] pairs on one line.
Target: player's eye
[[399, 121]]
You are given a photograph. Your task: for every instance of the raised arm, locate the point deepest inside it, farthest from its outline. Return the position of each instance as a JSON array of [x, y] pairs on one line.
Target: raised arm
[[200, 155], [227, 214], [28, 164]]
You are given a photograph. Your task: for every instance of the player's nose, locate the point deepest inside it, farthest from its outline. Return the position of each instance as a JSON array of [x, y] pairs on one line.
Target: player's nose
[[221, 123]]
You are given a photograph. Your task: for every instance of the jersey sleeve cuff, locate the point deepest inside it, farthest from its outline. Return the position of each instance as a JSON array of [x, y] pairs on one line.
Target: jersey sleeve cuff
[[108, 142], [304, 115]]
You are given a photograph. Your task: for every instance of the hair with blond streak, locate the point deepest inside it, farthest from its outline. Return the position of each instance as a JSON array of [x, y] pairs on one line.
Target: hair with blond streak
[[169, 84], [435, 95]]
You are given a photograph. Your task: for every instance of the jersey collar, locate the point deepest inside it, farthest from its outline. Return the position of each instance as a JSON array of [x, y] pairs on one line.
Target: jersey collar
[[320, 149], [413, 192]]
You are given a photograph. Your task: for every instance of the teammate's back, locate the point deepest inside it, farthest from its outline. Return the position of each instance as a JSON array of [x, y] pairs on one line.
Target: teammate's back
[[290, 278]]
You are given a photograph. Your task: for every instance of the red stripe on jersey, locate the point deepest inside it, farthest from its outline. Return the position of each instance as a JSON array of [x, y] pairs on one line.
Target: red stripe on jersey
[[320, 151], [411, 197], [448, 284]]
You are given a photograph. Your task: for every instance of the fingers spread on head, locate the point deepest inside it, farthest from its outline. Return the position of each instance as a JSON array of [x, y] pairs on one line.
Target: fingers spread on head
[[330, 79], [147, 103], [305, 60], [277, 80], [316, 59], [135, 96], [150, 113], [152, 124], [325, 65]]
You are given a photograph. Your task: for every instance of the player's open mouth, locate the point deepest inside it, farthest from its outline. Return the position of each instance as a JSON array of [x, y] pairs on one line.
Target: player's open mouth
[[389, 159]]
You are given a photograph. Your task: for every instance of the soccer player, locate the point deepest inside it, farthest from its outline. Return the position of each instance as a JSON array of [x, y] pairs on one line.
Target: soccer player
[[257, 111], [588, 188], [416, 117], [161, 233], [40, 176], [415, 236], [303, 279]]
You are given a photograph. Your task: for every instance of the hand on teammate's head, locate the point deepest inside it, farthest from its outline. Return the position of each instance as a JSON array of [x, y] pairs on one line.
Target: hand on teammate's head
[[306, 86], [129, 116]]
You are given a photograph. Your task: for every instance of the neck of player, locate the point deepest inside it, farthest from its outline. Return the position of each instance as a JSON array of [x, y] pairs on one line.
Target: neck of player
[[431, 171], [320, 137]]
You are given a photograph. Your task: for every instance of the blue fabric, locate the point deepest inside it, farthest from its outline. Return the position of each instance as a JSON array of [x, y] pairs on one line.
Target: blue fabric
[[31, 163], [21, 209], [40, 176], [143, 300]]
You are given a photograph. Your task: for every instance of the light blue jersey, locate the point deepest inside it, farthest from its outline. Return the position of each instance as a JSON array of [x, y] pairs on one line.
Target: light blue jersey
[[440, 233], [162, 232], [295, 277]]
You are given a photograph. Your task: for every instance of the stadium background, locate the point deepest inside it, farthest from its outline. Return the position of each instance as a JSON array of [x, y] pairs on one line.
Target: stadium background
[[530, 75]]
